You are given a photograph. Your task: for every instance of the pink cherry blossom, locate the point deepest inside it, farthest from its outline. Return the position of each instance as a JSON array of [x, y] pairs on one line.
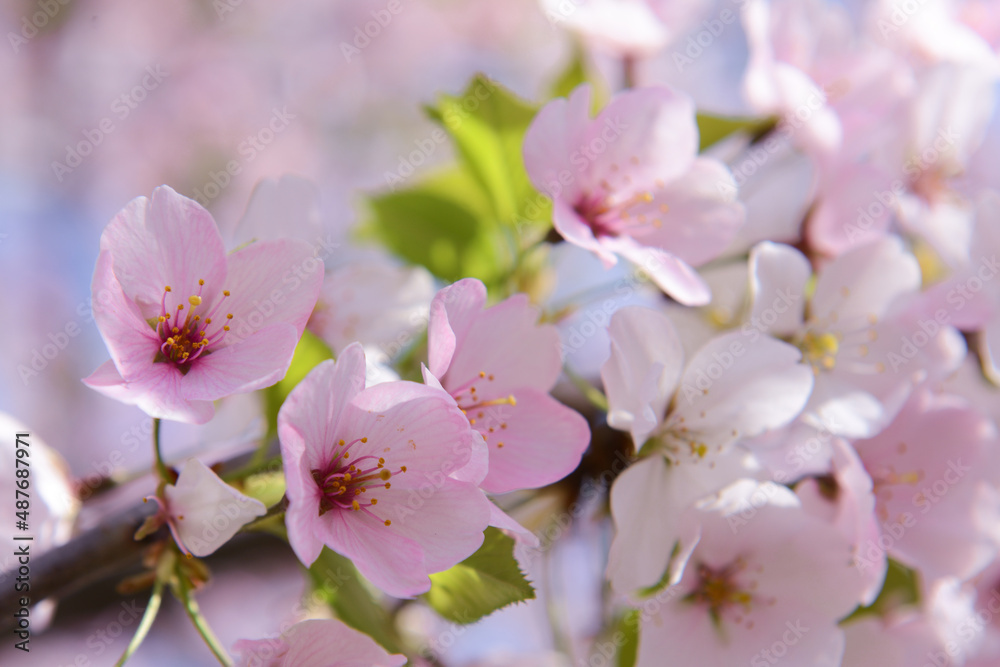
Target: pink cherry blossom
[[374, 474], [185, 323], [316, 643], [203, 512], [630, 183], [687, 421], [499, 365], [935, 505], [852, 331], [761, 579]]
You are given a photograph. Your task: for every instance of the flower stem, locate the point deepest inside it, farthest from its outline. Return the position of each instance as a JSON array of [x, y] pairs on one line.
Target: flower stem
[[152, 608], [182, 590], [278, 509], [161, 467], [591, 393]]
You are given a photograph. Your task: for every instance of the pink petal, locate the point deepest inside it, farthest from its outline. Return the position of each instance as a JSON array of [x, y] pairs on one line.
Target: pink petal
[[543, 441], [735, 387], [330, 643], [452, 312], [554, 134], [256, 362], [271, 282], [311, 415], [390, 561], [702, 214], [167, 240], [505, 343], [640, 376], [865, 281], [576, 230], [413, 425], [647, 134], [206, 511], [131, 340], [778, 277], [673, 276]]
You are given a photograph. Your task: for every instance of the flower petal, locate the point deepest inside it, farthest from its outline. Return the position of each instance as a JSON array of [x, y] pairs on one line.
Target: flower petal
[[167, 240], [256, 362], [206, 511], [531, 444], [452, 312], [645, 365], [778, 277]]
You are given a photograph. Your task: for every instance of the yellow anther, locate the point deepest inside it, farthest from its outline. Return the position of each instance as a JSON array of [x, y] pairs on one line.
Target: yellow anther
[[364, 439], [388, 523], [374, 501], [384, 474], [194, 300], [355, 505], [200, 282], [225, 293], [402, 468]]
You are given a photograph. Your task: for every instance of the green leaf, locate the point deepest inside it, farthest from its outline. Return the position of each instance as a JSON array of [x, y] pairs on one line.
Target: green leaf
[[901, 588], [713, 129], [628, 646], [445, 224], [488, 580], [487, 123], [337, 582], [310, 351]]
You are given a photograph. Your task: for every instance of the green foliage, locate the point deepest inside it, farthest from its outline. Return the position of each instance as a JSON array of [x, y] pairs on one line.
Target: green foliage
[[337, 582], [626, 638], [901, 588], [487, 123], [474, 219], [444, 223], [488, 580], [713, 129]]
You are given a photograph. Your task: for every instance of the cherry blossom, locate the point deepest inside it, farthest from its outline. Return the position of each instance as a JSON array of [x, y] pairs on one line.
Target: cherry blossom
[[499, 365], [686, 419], [629, 183], [762, 580], [374, 475], [185, 323]]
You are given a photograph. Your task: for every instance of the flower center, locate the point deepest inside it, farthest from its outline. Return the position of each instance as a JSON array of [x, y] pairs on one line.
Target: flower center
[[346, 485], [485, 415], [608, 217], [820, 350], [724, 593], [185, 332]]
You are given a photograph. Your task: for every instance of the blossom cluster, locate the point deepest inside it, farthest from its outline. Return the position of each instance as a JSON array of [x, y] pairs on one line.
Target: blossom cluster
[[770, 287]]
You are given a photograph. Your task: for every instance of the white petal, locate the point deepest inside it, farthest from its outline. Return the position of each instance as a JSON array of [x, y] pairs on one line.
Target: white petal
[[778, 276], [206, 511]]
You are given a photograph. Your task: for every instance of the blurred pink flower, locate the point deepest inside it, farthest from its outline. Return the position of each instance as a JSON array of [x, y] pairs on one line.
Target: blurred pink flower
[[342, 444], [244, 312], [630, 183], [758, 570], [316, 643], [499, 365]]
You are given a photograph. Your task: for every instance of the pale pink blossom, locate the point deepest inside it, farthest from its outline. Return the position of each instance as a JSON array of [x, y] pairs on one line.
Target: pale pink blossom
[[378, 475], [316, 643], [759, 580], [629, 182], [185, 323], [499, 364], [685, 420]]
